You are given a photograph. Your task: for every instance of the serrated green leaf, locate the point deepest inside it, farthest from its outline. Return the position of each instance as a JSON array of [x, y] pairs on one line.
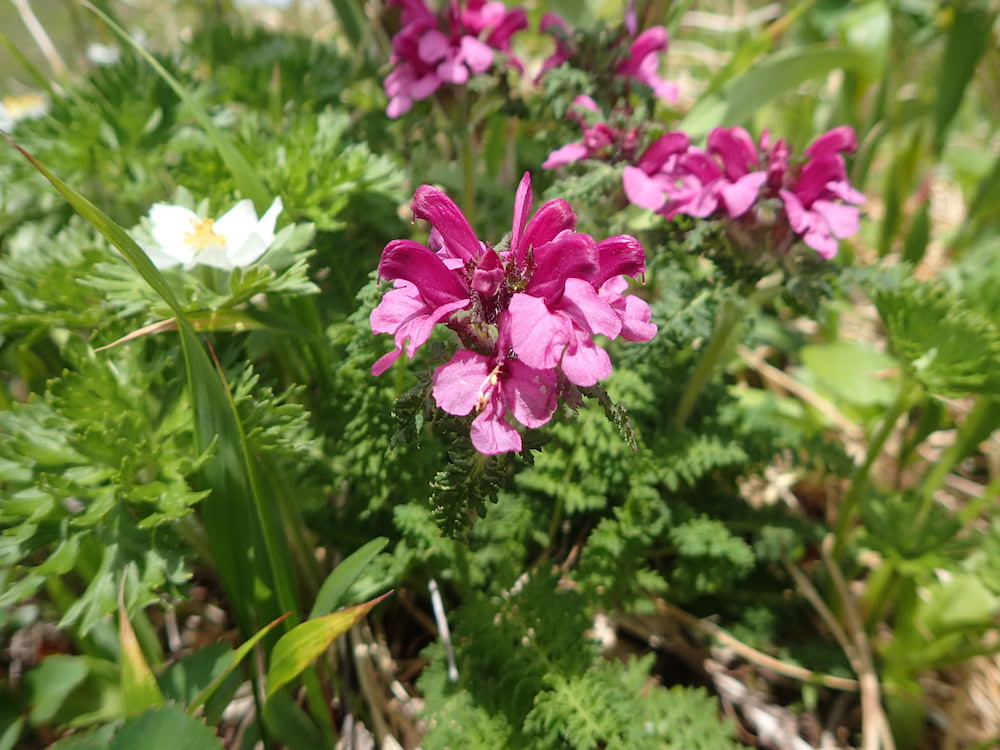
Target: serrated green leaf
[[331, 593], [167, 727], [297, 648]]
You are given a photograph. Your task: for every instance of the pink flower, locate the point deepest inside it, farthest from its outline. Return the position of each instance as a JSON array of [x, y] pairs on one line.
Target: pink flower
[[641, 63], [600, 140], [492, 386], [429, 51], [526, 315], [821, 205], [734, 174]]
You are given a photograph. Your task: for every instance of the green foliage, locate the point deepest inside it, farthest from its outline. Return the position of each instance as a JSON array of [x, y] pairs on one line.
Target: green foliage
[[548, 685], [95, 479], [944, 344]]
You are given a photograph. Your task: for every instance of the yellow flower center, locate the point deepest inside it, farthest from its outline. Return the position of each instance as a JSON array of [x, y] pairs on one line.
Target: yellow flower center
[[203, 235], [21, 104]]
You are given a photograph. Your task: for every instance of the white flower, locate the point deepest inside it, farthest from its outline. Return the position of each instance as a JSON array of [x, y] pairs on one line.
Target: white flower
[[17, 107], [103, 54], [235, 240]]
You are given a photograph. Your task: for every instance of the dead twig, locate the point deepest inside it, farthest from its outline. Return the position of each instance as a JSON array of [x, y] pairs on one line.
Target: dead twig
[[759, 658]]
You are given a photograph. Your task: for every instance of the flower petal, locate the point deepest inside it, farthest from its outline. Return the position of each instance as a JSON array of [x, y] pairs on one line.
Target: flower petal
[[522, 207], [572, 255], [549, 221], [433, 46], [531, 394], [537, 336], [564, 155], [398, 306], [668, 144], [459, 383], [838, 139], [477, 55], [636, 318], [170, 224], [841, 219], [586, 363], [641, 190], [617, 256], [739, 196], [432, 205], [411, 261], [581, 302], [491, 433]]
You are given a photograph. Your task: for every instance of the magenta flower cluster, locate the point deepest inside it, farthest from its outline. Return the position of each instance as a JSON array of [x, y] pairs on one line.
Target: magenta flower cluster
[[733, 175], [525, 311], [430, 50], [641, 62], [600, 140]]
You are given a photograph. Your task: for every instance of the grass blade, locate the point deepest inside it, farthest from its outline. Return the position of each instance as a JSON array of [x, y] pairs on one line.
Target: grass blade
[[738, 99], [139, 688], [331, 593], [300, 646]]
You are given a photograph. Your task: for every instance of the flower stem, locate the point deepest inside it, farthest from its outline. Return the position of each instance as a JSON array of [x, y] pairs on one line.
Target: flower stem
[[859, 480], [730, 315], [468, 153]]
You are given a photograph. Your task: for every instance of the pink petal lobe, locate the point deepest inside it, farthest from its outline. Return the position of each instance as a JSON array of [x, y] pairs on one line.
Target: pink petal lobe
[[641, 190], [432, 205], [796, 212], [491, 433], [549, 221], [739, 196], [477, 55], [586, 363], [841, 219], [656, 155], [522, 207], [617, 256], [584, 306], [636, 324], [572, 255], [411, 261], [564, 155], [838, 139], [821, 241], [532, 395], [397, 306], [386, 361], [537, 336], [433, 47], [459, 383]]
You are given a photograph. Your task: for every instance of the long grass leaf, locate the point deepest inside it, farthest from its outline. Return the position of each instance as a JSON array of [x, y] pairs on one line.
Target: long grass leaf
[[778, 74]]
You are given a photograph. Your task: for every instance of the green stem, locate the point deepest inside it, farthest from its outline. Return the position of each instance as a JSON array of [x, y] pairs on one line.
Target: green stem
[[978, 424], [859, 479], [730, 315], [468, 152]]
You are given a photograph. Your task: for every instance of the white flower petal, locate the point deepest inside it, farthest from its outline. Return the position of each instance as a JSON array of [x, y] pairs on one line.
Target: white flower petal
[[160, 259], [170, 225], [214, 256], [252, 249], [257, 243], [237, 224]]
